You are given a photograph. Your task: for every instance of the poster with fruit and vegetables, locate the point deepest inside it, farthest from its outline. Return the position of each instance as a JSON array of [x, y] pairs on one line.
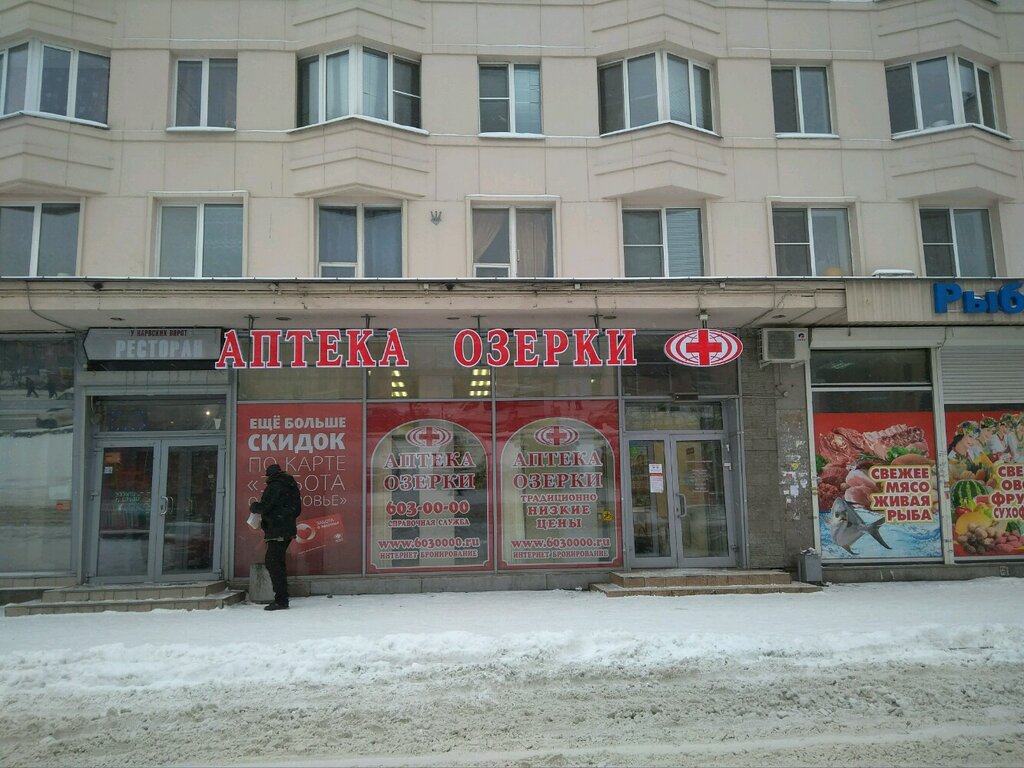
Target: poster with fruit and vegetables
[[985, 457], [876, 483]]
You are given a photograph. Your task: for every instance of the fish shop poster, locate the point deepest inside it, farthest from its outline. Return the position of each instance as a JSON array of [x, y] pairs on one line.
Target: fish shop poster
[[876, 482], [321, 445], [985, 456]]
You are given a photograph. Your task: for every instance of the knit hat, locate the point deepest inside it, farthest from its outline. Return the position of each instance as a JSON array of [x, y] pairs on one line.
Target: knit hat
[[274, 469]]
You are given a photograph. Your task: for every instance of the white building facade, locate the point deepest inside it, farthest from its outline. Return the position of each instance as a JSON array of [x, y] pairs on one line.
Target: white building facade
[[521, 292]]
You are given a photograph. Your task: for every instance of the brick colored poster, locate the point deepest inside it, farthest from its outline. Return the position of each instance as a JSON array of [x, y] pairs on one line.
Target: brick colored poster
[[320, 444], [429, 494], [559, 484], [877, 494]]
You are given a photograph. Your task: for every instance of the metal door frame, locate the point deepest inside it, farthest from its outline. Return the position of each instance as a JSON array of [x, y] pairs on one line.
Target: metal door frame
[[160, 443], [677, 558]]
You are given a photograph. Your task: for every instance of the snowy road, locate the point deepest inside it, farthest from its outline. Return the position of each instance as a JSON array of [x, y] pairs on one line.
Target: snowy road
[[922, 674]]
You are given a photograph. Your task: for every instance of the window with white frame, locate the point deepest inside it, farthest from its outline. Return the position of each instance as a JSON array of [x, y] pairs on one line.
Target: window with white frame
[[662, 243], [359, 81], [957, 242], [359, 241], [800, 96], [205, 93], [200, 240], [510, 98], [933, 93], [38, 239], [812, 242], [653, 88], [513, 242], [50, 79]]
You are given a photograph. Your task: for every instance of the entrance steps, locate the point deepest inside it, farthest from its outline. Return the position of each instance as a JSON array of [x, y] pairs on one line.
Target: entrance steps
[[202, 596], [681, 582], [21, 589]]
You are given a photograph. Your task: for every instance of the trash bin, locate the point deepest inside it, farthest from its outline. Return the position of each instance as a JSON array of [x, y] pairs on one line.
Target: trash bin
[[808, 567]]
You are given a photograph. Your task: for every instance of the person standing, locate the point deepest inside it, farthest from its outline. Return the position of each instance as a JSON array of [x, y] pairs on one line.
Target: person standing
[[278, 508]]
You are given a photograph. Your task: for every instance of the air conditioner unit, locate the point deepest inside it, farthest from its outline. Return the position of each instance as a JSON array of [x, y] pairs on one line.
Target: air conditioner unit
[[784, 345]]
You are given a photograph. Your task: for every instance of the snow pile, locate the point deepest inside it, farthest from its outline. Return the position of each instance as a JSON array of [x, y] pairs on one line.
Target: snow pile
[[923, 673]]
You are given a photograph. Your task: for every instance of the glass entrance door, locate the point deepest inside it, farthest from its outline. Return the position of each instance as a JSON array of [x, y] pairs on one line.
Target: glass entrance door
[[680, 503], [156, 510]]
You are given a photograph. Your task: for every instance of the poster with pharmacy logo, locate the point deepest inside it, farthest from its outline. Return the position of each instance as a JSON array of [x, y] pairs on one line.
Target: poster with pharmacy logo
[[429, 493], [559, 484]]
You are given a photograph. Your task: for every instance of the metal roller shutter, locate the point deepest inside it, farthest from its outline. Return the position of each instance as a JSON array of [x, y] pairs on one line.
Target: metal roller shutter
[[983, 374]]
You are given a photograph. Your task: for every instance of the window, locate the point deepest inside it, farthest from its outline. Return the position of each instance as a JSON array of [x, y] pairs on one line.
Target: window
[[206, 93], [360, 241], [653, 88], [201, 240], [812, 242], [939, 92], [49, 79], [359, 81], [957, 242], [665, 243], [38, 240], [498, 233], [800, 95], [510, 98]]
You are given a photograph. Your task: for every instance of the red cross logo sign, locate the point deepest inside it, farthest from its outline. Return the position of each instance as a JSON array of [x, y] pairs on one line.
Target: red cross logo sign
[[556, 436], [429, 436], [703, 347]]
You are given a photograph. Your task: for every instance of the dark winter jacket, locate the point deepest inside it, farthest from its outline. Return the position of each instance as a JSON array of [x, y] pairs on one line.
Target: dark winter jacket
[[278, 507]]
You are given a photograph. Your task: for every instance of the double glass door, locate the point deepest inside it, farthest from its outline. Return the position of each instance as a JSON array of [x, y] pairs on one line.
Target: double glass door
[[156, 509], [681, 502]]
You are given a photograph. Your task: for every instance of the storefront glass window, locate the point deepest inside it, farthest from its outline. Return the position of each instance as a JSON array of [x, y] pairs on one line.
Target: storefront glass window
[[309, 383], [149, 415], [657, 376], [432, 373], [870, 366], [36, 391], [564, 380], [875, 455], [679, 417]]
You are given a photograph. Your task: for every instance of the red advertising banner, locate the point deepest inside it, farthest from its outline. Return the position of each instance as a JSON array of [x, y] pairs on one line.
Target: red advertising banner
[[429, 497], [320, 444], [877, 495], [986, 480], [559, 484]]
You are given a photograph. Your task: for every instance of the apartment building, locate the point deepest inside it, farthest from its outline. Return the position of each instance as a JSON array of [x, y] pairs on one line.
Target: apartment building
[[521, 292]]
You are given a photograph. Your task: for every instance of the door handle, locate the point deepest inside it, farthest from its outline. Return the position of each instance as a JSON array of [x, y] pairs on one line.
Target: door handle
[[683, 511], [164, 502]]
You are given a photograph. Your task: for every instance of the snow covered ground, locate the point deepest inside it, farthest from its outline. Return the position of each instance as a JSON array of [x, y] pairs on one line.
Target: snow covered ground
[[880, 674]]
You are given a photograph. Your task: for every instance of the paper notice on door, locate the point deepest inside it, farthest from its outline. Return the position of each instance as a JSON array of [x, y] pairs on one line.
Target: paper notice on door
[[656, 473]]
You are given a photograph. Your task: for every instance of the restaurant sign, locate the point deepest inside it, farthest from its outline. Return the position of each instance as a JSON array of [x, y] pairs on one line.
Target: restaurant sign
[[497, 348]]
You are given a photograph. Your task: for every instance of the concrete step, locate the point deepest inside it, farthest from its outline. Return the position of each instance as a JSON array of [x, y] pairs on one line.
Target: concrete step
[[28, 581], [615, 590], [117, 592], [697, 577], [204, 602]]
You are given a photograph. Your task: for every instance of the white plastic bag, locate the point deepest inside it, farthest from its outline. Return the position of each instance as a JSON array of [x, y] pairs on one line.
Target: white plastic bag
[[253, 521]]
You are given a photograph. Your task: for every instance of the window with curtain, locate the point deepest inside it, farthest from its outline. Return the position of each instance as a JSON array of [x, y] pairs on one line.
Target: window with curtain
[[812, 242], [652, 88], [54, 80], [513, 242], [957, 242], [359, 241], [800, 97], [39, 239], [205, 93], [662, 243], [510, 98], [200, 240], [938, 92], [359, 81]]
